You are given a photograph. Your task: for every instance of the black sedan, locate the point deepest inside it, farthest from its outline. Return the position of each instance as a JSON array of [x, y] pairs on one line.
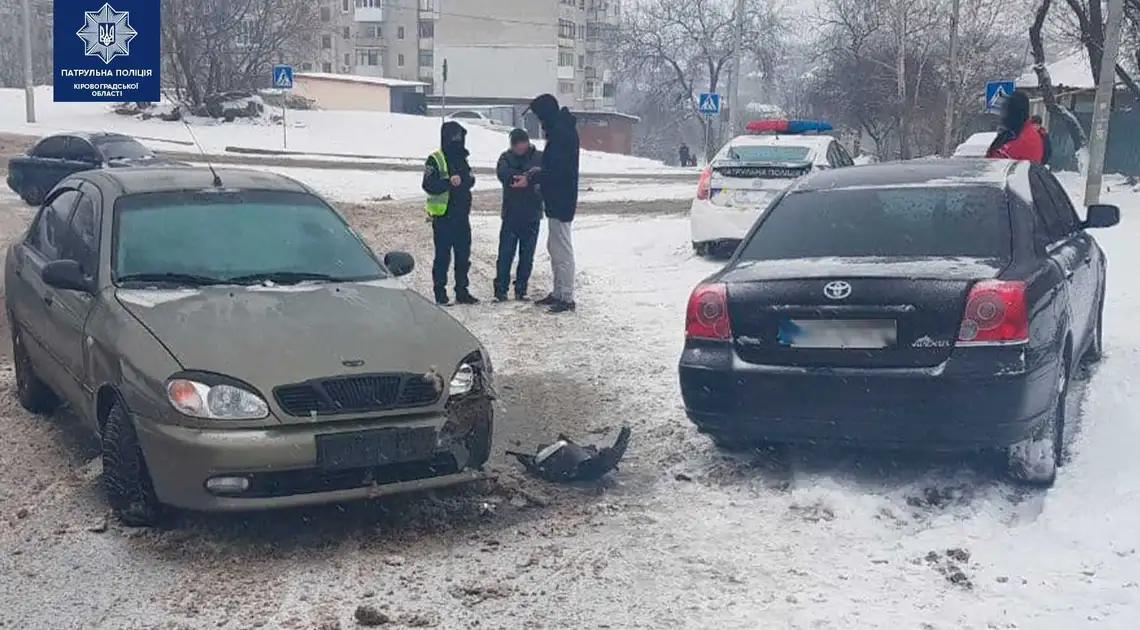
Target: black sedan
[[53, 158], [938, 305]]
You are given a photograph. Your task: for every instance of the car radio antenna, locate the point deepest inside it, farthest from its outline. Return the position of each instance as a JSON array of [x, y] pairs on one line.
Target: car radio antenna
[[217, 180]]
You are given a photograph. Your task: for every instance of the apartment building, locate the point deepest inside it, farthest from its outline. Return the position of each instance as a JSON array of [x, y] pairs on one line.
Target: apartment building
[[497, 51]]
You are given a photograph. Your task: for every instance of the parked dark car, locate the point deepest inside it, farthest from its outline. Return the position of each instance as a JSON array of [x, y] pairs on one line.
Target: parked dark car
[[235, 345], [48, 161], [939, 305]]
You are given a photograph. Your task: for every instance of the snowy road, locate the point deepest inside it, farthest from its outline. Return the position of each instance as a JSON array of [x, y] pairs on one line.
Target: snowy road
[[685, 537]]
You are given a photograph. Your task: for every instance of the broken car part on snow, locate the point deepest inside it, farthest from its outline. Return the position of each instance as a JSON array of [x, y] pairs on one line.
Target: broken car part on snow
[[566, 460]]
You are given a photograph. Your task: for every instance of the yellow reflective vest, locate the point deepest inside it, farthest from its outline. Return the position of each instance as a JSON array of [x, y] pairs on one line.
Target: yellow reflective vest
[[437, 204]]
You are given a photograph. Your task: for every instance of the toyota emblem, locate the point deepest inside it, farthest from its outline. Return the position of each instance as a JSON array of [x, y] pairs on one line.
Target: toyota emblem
[[837, 290]]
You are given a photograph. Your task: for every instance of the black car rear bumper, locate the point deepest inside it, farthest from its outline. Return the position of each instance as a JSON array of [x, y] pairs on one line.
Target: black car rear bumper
[[936, 408]]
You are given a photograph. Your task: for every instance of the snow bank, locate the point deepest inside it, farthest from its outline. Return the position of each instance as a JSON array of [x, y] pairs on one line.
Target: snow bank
[[346, 132]]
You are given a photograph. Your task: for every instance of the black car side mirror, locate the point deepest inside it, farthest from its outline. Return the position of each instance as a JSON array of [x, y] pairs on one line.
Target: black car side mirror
[[66, 275], [1101, 215], [399, 263]]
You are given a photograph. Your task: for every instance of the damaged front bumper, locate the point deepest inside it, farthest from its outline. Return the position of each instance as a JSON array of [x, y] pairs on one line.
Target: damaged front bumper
[[276, 467]]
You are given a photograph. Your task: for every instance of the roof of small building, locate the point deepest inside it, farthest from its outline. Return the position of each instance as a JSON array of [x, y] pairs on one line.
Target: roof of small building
[[356, 78]]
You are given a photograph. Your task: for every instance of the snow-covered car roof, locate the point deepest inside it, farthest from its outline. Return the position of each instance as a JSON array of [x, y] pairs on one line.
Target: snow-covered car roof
[[976, 145]]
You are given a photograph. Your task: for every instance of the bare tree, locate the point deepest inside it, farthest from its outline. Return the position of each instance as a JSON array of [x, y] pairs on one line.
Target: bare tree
[[214, 46], [11, 42], [883, 67], [680, 48], [1045, 82], [1089, 16]]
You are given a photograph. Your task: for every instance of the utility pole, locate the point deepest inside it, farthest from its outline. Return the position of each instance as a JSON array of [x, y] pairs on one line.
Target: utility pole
[[29, 76], [734, 88], [952, 93], [1102, 109]]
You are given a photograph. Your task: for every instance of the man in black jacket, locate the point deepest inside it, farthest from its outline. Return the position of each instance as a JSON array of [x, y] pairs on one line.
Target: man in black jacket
[[558, 183], [518, 170], [448, 182]]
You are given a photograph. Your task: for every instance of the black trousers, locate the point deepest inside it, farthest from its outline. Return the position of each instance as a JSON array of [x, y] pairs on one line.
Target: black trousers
[[520, 237], [451, 234]]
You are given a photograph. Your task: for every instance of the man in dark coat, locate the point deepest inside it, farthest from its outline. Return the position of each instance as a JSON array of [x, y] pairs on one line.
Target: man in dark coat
[[1047, 146], [518, 170], [558, 183], [683, 154], [448, 185]]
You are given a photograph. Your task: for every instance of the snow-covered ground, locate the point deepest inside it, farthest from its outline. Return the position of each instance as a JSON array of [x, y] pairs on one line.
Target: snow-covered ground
[[686, 537], [396, 136]]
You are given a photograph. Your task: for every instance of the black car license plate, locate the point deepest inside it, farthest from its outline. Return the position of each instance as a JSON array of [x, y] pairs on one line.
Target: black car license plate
[[376, 447], [839, 334]]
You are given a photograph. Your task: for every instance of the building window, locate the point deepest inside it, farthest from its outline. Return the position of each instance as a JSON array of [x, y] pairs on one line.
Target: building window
[[367, 57], [581, 61], [427, 59], [326, 42], [371, 32], [347, 33], [567, 29], [399, 32], [326, 15], [609, 90], [565, 87], [566, 59], [369, 4], [347, 59], [427, 28], [345, 6], [400, 60], [326, 67], [306, 67]]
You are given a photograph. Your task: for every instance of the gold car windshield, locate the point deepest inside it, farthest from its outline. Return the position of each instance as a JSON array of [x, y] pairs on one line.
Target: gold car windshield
[[214, 237]]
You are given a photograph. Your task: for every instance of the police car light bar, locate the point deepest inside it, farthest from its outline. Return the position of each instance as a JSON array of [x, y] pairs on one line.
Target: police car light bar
[[788, 126]]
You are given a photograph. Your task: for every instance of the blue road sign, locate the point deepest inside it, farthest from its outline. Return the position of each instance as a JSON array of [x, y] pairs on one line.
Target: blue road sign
[[996, 92], [709, 103], [283, 77]]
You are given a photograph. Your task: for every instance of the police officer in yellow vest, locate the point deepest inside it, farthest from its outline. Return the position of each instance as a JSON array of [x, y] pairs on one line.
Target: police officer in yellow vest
[[448, 182]]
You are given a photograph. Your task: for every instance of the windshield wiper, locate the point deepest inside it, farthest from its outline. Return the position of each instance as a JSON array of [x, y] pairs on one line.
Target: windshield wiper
[[286, 277], [173, 278]]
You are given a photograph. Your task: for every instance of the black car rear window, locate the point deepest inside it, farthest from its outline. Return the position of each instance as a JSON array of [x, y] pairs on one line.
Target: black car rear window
[[966, 221], [122, 148]]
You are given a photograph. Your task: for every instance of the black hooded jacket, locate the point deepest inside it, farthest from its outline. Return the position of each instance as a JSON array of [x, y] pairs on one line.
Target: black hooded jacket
[[453, 142], [520, 205], [559, 178]]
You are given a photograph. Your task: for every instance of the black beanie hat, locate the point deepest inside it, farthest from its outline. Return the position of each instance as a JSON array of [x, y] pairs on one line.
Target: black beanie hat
[[519, 135]]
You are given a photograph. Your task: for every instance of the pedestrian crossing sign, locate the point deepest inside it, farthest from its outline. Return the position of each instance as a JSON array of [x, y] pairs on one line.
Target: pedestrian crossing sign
[[997, 92], [709, 103], [283, 77]]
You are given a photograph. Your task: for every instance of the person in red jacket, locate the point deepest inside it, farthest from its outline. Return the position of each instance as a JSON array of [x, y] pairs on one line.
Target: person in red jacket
[[1018, 138]]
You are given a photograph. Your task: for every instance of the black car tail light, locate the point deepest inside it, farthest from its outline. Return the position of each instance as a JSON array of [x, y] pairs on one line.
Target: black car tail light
[[996, 314], [707, 315]]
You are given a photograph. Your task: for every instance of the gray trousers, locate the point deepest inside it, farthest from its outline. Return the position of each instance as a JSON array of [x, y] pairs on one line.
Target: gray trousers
[[561, 250]]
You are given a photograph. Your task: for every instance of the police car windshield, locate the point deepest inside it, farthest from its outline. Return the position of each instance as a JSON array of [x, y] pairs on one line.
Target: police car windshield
[[764, 154], [222, 237]]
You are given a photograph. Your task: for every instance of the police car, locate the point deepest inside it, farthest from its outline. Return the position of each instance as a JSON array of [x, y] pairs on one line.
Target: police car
[[748, 173]]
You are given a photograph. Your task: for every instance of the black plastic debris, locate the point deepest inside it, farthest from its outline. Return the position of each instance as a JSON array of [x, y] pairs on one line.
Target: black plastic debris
[[566, 460]]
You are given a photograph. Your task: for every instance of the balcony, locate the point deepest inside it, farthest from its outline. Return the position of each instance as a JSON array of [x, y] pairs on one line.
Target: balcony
[[426, 73], [566, 73], [429, 9], [427, 43], [369, 11]]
